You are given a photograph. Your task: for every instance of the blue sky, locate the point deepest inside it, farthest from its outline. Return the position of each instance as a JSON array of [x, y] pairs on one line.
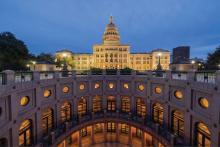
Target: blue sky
[[50, 25]]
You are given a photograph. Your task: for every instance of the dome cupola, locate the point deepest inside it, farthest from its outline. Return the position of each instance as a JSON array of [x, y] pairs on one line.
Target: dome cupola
[[111, 35]]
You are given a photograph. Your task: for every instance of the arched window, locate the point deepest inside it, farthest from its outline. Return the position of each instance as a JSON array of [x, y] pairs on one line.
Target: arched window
[[97, 104], [25, 133], [47, 121], [158, 113], [82, 106], [203, 135], [178, 123], [111, 103], [3, 142], [125, 104], [65, 112], [140, 107]]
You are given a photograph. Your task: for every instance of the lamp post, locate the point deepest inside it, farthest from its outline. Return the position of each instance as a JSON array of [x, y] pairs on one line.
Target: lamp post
[[64, 55], [28, 66], [159, 67]]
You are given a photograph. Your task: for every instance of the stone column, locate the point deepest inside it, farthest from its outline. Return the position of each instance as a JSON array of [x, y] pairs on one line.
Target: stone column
[[130, 137], [105, 132], [117, 131], [80, 139], [92, 135]]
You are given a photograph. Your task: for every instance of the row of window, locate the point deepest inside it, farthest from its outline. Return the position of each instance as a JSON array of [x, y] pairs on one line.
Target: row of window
[[202, 135]]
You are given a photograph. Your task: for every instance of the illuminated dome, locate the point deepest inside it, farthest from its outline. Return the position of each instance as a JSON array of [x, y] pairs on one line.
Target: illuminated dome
[[111, 35]]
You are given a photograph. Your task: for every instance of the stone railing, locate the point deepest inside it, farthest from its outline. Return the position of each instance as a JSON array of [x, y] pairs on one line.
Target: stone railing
[[161, 132], [211, 77]]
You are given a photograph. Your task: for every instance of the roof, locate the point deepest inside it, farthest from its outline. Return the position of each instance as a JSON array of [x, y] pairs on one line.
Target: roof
[[160, 50]]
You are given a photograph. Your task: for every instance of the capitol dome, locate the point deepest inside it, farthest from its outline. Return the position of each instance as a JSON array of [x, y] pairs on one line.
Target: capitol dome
[[111, 35]]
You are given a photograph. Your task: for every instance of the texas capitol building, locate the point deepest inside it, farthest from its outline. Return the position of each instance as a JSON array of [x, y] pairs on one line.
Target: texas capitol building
[[111, 54]]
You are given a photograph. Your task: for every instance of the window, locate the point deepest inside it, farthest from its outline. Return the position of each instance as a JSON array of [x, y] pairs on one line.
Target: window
[[178, 123], [47, 120], [25, 133], [111, 85], [82, 106], [24, 100], [125, 85], [138, 133], [158, 113], [83, 132], [203, 102], [82, 86], [124, 128], [111, 103], [158, 90], [140, 107], [65, 89], [125, 104], [65, 112], [47, 93], [97, 104], [111, 127], [141, 87], [178, 94], [98, 128], [203, 135], [97, 85]]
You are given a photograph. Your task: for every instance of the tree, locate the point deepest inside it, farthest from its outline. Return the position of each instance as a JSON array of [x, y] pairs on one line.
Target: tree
[[213, 60], [13, 52], [45, 57]]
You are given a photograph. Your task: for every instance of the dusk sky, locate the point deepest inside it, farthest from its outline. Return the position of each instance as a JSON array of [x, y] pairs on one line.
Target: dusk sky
[[51, 25]]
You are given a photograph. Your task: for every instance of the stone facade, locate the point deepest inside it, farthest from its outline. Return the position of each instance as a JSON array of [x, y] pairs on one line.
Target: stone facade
[[111, 54], [195, 98]]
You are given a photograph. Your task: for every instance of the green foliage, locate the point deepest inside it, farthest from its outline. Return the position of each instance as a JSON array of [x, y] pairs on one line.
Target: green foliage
[[213, 60], [13, 52], [45, 57]]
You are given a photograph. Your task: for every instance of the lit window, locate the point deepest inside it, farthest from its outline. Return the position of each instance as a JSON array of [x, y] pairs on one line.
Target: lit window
[[203, 102], [47, 93], [83, 132], [25, 133], [97, 85], [98, 128], [158, 90], [111, 127], [203, 135], [124, 128], [24, 101], [82, 86], [141, 87], [138, 133], [111, 85], [158, 113], [178, 94], [140, 107], [178, 123], [82, 107], [125, 104], [111, 103], [65, 89], [97, 104], [65, 112], [47, 121], [126, 86]]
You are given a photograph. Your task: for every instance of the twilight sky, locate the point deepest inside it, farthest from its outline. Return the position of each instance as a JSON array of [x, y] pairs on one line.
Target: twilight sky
[[50, 25]]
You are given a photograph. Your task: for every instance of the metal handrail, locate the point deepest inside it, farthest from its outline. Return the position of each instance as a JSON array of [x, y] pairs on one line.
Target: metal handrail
[[21, 77], [3, 79]]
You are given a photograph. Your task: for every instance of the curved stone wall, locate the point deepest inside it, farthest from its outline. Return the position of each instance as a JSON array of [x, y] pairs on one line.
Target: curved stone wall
[[197, 103]]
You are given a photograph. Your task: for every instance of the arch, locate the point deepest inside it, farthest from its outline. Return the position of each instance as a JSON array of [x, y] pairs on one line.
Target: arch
[[25, 133], [125, 104], [111, 103], [65, 112], [203, 135], [96, 104], [178, 123], [47, 120], [140, 107], [158, 113], [3, 142], [82, 107]]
